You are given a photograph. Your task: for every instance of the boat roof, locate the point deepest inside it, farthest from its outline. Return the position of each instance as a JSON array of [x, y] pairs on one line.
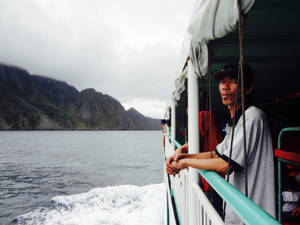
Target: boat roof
[[272, 46]]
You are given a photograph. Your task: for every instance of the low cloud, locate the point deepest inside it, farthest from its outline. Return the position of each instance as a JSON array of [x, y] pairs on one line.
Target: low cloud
[[151, 108], [127, 49]]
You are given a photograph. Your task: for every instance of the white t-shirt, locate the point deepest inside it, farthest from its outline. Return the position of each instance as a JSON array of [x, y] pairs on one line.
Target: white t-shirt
[[261, 186]]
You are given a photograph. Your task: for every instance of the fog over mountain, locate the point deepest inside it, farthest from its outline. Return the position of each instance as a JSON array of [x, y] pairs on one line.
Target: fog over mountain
[[127, 49], [37, 102]]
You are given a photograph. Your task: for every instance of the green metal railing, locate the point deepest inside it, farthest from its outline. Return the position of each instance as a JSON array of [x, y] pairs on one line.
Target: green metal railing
[[248, 211], [176, 207], [173, 202], [284, 130], [279, 161], [177, 144]]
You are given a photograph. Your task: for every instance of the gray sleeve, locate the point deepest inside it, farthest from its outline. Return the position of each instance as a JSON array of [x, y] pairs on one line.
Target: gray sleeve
[[234, 164], [253, 133]]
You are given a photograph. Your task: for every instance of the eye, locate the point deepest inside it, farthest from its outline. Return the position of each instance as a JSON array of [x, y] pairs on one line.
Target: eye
[[222, 81], [234, 81]]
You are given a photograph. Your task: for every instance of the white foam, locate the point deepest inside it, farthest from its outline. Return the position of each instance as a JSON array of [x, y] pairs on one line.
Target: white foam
[[113, 205]]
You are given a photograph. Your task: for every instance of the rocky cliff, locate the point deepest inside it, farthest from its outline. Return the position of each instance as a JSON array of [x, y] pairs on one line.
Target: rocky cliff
[[36, 102]]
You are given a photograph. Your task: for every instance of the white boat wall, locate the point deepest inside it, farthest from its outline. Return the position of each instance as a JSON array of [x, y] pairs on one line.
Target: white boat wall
[[272, 45]]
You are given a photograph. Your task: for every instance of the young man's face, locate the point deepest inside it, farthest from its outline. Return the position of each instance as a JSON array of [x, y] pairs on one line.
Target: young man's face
[[228, 87]]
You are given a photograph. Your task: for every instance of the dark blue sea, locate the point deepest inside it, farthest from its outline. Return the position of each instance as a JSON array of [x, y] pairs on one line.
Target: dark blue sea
[[81, 177]]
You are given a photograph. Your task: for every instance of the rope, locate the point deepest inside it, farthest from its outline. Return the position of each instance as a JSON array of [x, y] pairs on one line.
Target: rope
[[231, 138], [241, 89], [241, 68], [209, 101]]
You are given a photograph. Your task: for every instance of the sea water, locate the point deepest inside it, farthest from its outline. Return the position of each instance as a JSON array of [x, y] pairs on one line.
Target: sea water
[[81, 177]]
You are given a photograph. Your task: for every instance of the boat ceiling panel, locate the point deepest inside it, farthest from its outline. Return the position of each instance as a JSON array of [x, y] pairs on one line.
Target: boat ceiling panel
[[272, 48]]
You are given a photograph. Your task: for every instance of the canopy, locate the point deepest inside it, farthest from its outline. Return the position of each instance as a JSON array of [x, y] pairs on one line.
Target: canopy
[[179, 85], [212, 19], [167, 111]]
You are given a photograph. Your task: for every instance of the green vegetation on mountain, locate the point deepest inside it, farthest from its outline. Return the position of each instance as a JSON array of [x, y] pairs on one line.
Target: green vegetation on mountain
[[36, 102]]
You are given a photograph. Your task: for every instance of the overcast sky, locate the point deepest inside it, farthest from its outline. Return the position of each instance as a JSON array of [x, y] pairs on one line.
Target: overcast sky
[[124, 48]]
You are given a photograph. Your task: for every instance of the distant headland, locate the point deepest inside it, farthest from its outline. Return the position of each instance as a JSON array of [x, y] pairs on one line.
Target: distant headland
[[34, 102]]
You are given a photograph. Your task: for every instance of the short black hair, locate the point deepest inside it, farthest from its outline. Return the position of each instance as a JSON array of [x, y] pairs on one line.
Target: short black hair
[[232, 70], [163, 121]]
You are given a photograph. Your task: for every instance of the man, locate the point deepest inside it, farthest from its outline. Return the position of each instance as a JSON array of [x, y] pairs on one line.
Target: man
[[163, 125], [261, 188], [163, 130]]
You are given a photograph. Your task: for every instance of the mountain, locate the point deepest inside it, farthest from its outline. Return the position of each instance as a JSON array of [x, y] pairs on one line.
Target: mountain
[[36, 102]]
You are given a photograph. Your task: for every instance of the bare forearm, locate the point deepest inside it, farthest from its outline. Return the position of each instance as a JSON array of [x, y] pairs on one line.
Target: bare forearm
[[215, 164], [202, 155], [185, 148]]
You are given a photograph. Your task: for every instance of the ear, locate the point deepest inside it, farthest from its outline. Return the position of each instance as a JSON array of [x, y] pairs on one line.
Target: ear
[[250, 89]]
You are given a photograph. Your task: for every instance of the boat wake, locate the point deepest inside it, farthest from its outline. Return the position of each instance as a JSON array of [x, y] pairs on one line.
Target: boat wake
[[118, 205]]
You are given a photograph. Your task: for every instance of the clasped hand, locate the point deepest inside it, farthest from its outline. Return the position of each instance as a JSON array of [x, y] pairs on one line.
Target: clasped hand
[[175, 163]]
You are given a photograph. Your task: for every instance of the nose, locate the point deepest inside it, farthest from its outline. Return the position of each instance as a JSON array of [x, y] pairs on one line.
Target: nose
[[224, 86]]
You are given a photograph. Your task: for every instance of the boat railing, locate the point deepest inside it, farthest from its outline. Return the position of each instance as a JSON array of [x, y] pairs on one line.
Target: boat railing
[[203, 212], [284, 157], [182, 192]]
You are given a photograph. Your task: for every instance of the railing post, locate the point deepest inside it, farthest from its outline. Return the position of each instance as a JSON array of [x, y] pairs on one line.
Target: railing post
[[173, 122], [193, 140]]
